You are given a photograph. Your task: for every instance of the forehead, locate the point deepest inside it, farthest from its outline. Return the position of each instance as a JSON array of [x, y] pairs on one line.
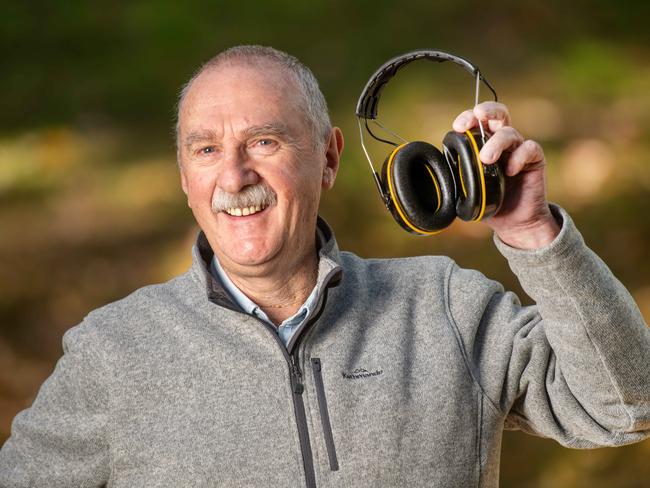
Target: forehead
[[241, 94]]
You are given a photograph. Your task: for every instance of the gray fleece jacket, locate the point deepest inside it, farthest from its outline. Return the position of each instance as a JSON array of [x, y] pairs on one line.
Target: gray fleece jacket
[[405, 376]]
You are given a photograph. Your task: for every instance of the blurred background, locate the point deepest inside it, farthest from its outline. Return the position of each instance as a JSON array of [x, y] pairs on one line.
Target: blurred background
[[91, 206]]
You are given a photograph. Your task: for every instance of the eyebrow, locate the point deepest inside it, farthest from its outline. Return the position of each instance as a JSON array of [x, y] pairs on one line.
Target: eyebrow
[[199, 136], [273, 129]]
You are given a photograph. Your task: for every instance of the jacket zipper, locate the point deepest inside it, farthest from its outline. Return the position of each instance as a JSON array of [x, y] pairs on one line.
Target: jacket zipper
[[298, 387], [301, 420], [324, 414]]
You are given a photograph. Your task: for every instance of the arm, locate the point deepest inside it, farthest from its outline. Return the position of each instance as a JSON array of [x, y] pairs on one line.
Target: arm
[[576, 367], [61, 440], [597, 337]]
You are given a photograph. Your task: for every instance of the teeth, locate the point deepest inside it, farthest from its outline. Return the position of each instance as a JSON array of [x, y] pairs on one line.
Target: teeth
[[238, 212]]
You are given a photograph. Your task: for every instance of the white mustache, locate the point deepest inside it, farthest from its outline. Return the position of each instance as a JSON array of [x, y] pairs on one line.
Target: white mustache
[[251, 196]]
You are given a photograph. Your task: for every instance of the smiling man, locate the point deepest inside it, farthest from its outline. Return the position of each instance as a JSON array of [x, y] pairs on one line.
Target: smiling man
[[253, 162], [277, 360]]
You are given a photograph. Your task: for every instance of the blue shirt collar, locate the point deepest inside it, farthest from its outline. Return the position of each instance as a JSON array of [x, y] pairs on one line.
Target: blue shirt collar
[[251, 308]]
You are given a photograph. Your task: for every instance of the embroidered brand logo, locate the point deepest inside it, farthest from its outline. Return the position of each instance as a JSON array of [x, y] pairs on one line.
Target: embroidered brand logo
[[361, 373]]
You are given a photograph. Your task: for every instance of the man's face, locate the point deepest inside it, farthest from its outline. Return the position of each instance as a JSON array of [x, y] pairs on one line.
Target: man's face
[[243, 125]]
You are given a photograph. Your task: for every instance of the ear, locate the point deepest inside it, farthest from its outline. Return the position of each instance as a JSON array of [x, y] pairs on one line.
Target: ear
[[184, 184], [333, 152]]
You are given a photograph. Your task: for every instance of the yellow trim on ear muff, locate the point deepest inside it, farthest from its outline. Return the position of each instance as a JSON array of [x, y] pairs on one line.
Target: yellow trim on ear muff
[[462, 181], [435, 183], [391, 193], [481, 174]]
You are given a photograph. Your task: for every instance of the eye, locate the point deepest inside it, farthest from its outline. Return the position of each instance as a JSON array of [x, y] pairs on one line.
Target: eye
[[206, 150], [264, 146]]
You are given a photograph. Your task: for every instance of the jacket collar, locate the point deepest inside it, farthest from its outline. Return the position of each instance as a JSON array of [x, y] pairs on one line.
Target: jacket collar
[[329, 266]]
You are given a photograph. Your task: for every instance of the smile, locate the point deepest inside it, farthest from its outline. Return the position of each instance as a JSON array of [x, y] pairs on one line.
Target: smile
[[239, 212]]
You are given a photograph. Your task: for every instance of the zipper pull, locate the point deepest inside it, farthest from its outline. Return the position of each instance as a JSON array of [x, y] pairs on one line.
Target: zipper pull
[[316, 364], [296, 377]]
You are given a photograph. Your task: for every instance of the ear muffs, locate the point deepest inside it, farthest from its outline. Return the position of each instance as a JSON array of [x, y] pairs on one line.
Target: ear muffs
[[480, 186], [418, 180], [427, 189], [413, 184]]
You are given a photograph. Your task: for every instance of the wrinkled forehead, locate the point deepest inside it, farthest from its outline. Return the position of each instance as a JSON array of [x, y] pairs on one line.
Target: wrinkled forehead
[[244, 84], [236, 77]]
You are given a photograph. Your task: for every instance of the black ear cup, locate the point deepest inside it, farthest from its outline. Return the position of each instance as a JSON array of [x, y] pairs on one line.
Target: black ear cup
[[479, 187], [427, 189], [419, 182]]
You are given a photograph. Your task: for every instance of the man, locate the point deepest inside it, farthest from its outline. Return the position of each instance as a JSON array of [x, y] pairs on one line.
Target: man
[[277, 360]]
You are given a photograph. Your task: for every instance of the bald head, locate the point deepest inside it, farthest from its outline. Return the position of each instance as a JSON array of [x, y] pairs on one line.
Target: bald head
[[311, 100]]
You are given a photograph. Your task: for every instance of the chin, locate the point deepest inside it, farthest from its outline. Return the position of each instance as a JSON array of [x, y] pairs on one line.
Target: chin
[[249, 253]]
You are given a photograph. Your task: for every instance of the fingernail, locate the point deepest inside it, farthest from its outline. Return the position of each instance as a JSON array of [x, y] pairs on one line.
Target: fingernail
[[486, 156]]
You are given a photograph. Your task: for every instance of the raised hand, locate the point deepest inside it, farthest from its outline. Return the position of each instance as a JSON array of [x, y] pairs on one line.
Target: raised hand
[[524, 220]]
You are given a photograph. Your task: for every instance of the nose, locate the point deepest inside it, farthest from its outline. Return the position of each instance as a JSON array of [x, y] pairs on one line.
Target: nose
[[236, 171]]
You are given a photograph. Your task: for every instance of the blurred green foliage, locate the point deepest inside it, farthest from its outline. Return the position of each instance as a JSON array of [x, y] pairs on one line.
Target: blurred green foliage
[[90, 206]]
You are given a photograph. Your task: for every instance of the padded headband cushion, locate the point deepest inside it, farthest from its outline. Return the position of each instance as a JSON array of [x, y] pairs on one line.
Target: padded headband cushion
[[413, 190], [369, 99]]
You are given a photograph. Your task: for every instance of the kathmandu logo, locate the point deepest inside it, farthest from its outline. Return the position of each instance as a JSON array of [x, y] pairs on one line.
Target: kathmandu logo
[[361, 373]]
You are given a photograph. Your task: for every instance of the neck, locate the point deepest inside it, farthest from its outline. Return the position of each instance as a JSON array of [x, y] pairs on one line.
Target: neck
[[280, 295]]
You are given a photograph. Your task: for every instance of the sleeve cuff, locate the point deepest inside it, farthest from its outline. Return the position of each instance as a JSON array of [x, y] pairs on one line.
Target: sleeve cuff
[[568, 239]]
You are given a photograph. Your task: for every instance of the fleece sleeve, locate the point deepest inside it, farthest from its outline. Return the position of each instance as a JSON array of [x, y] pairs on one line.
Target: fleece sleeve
[[61, 440], [575, 366]]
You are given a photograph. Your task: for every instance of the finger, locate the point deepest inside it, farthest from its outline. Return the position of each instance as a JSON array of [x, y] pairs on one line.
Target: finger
[[504, 139], [465, 121], [495, 114], [528, 155]]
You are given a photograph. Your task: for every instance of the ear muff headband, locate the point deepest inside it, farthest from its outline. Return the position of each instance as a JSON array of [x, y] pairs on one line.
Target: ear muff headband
[[395, 199], [369, 99]]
